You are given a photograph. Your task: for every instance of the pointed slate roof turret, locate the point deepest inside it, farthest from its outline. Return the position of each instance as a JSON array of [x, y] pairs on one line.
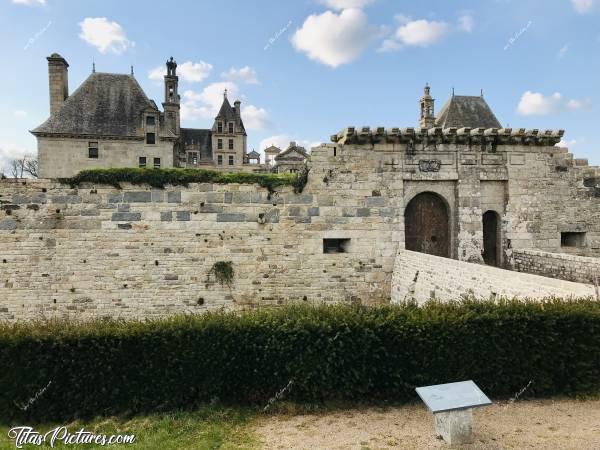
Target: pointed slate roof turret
[[228, 113], [466, 111]]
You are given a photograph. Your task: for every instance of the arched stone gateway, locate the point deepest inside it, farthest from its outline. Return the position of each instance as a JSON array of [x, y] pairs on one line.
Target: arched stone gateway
[[491, 238], [426, 224]]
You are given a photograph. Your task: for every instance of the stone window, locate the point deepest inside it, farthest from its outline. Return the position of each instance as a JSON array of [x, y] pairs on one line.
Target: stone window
[[150, 120], [220, 144], [572, 239], [231, 160], [157, 163], [142, 162], [230, 144], [93, 150], [219, 127], [150, 138], [193, 158], [220, 160], [336, 245], [230, 127]]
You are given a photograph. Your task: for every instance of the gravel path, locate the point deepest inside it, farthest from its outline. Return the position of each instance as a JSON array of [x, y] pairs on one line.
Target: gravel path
[[545, 424]]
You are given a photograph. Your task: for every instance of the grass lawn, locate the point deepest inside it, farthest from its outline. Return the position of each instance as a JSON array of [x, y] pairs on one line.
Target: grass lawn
[[204, 428]]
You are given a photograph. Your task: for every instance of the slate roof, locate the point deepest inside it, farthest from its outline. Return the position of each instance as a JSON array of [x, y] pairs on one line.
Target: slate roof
[[198, 136], [466, 111], [227, 114], [105, 104], [292, 148], [273, 148], [253, 154]]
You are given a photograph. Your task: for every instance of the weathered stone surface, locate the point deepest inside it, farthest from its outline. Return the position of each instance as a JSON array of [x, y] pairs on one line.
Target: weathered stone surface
[[166, 216], [126, 216], [182, 216], [137, 197], [231, 217], [174, 196], [8, 224]]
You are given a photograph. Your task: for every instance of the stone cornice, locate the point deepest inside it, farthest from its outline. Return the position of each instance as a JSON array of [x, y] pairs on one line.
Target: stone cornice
[[437, 135]]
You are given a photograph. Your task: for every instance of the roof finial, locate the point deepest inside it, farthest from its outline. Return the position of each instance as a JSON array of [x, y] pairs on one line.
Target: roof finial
[[225, 93], [482, 92], [132, 70], [93, 66]]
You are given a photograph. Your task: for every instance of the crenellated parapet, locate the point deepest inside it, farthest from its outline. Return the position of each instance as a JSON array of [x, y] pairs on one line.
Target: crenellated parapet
[[438, 135]]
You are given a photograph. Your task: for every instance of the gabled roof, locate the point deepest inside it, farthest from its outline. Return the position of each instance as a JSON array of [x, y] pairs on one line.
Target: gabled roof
[[253, 154], [273, 149], [227, 114], [105, 104], [466, 111], [288, 152]]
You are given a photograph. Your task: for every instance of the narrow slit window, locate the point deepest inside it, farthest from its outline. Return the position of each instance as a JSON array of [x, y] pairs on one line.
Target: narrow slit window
[[336, 245], [93, 150], [572, 239]]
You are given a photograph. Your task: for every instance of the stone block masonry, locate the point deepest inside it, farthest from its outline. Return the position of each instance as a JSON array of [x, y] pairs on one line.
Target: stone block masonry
[[419, 277], [145, 252], [558, 265]]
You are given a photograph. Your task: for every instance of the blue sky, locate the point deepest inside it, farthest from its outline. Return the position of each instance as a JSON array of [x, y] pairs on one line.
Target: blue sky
[[304, 69]]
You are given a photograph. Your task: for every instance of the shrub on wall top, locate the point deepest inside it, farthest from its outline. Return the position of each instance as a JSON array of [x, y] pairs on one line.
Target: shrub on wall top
[[330, 352], [160, 178]]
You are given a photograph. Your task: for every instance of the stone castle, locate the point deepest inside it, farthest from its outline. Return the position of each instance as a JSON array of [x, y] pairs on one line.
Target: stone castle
[[110, 122], [456, 206]]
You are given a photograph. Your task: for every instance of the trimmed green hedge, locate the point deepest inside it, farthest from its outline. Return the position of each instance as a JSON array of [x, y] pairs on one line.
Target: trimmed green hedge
[[330, 353], [160, 178]]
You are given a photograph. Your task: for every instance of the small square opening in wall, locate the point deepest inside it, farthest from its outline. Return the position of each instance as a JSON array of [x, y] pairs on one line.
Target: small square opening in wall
[[572, 239], [336, 245], [93, 150]]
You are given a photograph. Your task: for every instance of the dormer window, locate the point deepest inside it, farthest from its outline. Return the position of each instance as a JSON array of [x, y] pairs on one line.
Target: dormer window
[[150, 120], [219, 127], [231, 127]]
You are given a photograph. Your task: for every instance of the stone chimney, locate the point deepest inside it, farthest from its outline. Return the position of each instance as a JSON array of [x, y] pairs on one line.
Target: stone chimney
[[236, 106], [58, 76]]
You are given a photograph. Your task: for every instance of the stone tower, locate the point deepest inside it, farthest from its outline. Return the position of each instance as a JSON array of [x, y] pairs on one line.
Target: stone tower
[[229, 135], [427, 113], [171, 104], [58, 75]]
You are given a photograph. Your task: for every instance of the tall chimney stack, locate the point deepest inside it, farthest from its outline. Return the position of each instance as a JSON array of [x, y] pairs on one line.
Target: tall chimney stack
[[236, 106], [58, 76]]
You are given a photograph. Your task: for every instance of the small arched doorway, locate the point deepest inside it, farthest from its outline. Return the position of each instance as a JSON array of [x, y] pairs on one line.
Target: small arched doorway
[[491, 238], [426, 225]]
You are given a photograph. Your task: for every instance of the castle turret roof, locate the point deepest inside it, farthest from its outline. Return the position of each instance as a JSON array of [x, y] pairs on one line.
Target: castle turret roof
[[466, 111], [105, 104]]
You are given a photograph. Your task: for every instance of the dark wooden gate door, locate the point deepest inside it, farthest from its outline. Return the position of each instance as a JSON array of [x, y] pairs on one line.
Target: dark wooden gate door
[[426, 225], [490, 238]]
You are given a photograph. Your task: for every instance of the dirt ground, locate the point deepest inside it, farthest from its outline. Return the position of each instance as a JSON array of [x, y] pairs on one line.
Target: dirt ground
[[546, 424]]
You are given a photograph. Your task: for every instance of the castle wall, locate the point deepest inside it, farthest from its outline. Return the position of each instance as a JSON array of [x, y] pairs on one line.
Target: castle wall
[[557, 265], [419, 277], [64, 157]]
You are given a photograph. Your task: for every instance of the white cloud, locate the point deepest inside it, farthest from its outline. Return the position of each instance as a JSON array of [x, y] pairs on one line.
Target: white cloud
[[563, 51], [346, 4], [566, 144], [29, 2], [245, 74], [534, 103], [188, 71], [335, 39], [206, 104], [104, 35], [417, 33], [582, 6], [421, 32], [255, 118], [575, 105], [466, 23], [20, 114]]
